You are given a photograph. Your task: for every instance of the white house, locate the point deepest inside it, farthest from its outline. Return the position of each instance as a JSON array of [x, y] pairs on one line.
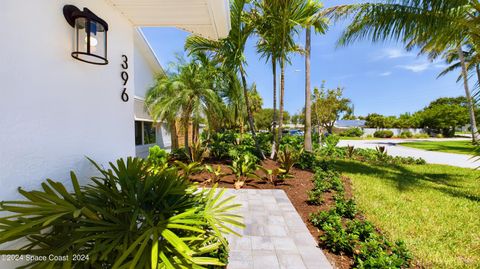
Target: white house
[[55, 109]]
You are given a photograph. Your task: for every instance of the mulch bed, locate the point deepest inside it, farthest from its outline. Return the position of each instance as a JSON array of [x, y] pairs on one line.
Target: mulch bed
[[296, 189]]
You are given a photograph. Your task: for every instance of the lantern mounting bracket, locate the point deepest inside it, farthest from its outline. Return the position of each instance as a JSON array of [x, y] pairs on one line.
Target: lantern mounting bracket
[[72, 12]]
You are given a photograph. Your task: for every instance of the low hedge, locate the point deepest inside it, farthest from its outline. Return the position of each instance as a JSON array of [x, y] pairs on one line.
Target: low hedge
[[344, 233], [383, 134]]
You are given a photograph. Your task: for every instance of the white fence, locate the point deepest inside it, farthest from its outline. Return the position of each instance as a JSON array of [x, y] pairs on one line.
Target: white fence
[[396, 131]]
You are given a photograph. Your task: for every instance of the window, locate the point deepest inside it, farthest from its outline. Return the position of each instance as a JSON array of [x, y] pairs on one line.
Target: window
[[145, 133], [148, 133], [138, 133]]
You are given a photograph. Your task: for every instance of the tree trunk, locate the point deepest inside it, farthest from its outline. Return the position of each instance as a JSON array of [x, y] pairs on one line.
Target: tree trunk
[[173, 134], [308, 95], [249, 112], [470, 102], [274, 142], [282, 92], [185, 139]]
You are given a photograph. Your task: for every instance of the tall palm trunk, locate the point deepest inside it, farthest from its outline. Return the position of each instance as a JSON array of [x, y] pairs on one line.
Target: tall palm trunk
[[173, 134], [282, 93], [249, 112], [470, 103], [308, 94], [274, 142], [185, 139]]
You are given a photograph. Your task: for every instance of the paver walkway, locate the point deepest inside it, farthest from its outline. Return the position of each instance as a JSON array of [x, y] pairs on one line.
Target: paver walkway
[[275, 235], [393, 148]]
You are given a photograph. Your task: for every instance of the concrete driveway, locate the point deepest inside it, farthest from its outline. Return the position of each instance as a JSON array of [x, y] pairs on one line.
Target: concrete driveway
[[394, 149]]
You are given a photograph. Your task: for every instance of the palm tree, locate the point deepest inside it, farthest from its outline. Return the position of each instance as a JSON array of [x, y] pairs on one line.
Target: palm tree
[[279, 21], [155, 101], [437, 25], [230, 53], [186, 93], [268, 48], [319, 23]]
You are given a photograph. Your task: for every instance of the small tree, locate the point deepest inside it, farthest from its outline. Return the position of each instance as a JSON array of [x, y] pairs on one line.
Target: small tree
[[445, 114], [375, 120], [328, 106]]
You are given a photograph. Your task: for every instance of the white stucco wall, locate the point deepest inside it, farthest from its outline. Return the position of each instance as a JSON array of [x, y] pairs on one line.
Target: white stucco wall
[[55, 110], [145, 75]]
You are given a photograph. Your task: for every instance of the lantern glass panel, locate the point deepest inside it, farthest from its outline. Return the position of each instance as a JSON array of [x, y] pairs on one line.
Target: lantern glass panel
[[90, 41]]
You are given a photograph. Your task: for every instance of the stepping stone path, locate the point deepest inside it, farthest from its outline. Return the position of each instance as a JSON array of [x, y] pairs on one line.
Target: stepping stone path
[[275, 235]]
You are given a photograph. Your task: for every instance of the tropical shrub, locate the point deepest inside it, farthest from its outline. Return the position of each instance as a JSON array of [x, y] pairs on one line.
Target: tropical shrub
[[288, 157], [330, 148], [350, 151], [421, 136], [126, 217], [217, 174], [323, 181], [406, 134], [380, 155], [274, 176], [352, 132], [220, 144], [189, 169], [306, 160], [197, 152], [243, 167], [315, 197], [383, 134], [178, 155], [265, 141], [157, 156], [345, 208], [293, 141]]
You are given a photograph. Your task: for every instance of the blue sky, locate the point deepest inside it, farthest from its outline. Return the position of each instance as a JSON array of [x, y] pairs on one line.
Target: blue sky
[[378, 78]]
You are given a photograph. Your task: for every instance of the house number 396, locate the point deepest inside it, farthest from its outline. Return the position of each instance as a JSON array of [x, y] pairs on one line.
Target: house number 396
[[124, 76]]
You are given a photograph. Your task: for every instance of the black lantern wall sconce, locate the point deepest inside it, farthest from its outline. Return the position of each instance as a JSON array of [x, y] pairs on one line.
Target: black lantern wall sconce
[[90, 35]]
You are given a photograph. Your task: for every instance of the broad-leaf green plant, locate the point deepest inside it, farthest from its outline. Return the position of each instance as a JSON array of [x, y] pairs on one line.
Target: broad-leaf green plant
[[127, 217], [288, 157], [273, 176], [189, 169], [243, 167], [217, 174]]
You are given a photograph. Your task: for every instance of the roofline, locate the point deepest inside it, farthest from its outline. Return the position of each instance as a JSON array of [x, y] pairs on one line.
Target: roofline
[[147, 51]]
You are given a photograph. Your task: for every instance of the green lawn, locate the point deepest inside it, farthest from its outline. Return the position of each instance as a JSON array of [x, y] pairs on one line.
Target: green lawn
[[435, 209], [462, 146]]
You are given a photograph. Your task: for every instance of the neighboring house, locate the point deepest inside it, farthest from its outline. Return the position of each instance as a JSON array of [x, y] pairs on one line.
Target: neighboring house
[[347, 124], [56, 110]]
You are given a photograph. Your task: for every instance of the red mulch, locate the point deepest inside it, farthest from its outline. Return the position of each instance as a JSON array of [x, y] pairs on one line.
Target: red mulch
[[296, 189]]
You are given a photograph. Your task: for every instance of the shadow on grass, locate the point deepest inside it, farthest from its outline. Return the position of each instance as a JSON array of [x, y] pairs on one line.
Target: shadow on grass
[[459, 149], [406, 179]]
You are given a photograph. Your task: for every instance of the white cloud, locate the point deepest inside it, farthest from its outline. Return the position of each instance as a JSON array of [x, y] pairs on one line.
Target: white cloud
[[395, 53], [391, 53], [421, 66], [385, 74], [416, 68]]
